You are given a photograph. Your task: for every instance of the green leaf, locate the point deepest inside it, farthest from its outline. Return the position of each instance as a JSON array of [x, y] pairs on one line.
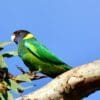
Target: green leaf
[[1, 96], [2, 62], [23, 77], [10, 96], [15, 86], [10, 54], [3, 44]]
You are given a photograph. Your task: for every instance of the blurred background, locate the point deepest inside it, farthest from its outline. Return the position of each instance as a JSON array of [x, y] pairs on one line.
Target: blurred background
[[69, 28]]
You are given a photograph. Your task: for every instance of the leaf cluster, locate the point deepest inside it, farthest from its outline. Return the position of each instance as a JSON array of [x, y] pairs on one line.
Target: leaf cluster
[[8, 81]]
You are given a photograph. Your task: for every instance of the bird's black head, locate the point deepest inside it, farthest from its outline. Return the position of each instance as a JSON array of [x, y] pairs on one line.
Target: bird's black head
[[18, 35]]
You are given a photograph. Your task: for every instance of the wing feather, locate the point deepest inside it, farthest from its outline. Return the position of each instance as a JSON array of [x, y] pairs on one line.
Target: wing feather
[[41, 51]]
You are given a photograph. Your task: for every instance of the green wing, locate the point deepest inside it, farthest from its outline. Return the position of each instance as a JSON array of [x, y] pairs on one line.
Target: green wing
[[41, 51]]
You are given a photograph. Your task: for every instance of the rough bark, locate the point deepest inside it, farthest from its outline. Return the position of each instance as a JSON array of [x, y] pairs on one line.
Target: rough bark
[[71, 85]]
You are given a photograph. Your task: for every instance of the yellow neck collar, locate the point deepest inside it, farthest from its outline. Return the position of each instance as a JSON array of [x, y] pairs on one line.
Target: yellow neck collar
[[28, 36]]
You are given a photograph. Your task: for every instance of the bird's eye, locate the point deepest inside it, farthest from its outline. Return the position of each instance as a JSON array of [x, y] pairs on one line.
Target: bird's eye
[[20, 33]]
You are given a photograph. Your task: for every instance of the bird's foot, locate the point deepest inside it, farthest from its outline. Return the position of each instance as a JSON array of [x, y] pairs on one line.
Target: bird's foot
[[36, 72]]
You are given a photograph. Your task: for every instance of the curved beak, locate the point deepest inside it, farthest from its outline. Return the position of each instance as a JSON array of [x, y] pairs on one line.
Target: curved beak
[[13, 38]]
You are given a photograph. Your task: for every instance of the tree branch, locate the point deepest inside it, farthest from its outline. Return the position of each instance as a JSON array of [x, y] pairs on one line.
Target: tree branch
[[29, 75], [71, 85]]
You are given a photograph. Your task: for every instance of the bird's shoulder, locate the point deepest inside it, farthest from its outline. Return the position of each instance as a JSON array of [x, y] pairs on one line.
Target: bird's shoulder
[[39, 50]]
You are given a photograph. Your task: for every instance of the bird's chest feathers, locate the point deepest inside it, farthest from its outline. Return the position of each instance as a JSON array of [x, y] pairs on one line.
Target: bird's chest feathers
[[22, 50], [28, 57]]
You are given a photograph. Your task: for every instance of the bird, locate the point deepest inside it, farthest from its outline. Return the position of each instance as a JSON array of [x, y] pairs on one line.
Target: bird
[[36, 56]]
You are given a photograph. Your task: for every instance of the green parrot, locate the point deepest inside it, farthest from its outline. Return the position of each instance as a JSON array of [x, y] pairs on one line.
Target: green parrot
[[36, 56]]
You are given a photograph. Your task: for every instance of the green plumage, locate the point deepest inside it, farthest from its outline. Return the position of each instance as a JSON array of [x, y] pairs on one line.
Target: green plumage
[[37, 57]]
